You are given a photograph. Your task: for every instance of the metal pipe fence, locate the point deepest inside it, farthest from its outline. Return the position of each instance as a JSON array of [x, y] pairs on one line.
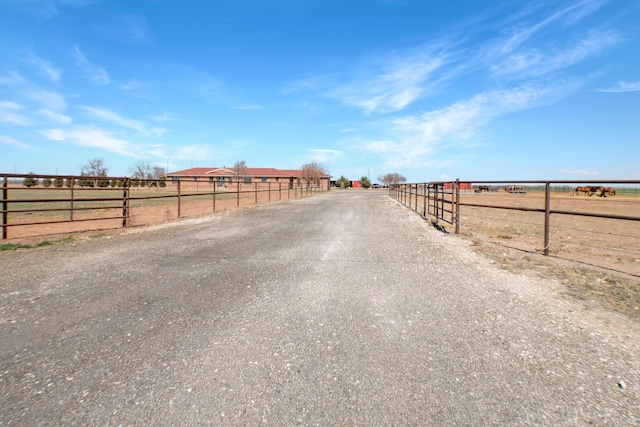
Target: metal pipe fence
[[33, 204], [599, 226]]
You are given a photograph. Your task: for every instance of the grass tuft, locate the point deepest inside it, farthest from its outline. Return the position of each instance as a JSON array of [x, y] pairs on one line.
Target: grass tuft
[[15, 246]]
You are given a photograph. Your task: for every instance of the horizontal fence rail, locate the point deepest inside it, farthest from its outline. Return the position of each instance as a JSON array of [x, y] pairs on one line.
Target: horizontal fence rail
[[593, 222], [38, 205]]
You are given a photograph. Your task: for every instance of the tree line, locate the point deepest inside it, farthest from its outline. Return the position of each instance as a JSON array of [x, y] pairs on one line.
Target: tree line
[[94, 173], [365, 182]]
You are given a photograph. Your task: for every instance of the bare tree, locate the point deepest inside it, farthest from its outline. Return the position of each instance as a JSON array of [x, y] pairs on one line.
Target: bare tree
[[392, 179], [312, 173], [94, 167], [147, 174], [159, 172], [241, 171], [142, 170]]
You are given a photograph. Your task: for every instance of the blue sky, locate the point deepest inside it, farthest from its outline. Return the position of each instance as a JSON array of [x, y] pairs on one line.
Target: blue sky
[[428, 89]]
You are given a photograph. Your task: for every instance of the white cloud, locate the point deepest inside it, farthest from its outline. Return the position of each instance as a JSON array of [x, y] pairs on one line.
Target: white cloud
[[391, 82], [115, 118], [92, 137], [52, 72], [192, 152], [10, 113], [164, 117], [44, 9], [10, 141], [158, 131], [246, 107], [55, 117], [623, 87], [322, 155], [96, 74], [396, 87], [124, 28], [13, 78], [48, 100], [523, 33], [533, 62], [415, 138]]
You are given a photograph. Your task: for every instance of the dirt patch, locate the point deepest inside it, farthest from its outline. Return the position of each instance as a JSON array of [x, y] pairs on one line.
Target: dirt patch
[[613, 244], [592, 285], [110, 221]]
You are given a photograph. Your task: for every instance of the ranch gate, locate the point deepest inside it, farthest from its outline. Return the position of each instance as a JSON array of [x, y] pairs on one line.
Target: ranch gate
[[537, 216]]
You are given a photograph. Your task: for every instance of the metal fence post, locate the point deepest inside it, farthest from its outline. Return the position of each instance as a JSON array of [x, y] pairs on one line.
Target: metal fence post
[[73, 184], [179, 196], [5, 215], [547, 215], [125, 201], [456, 206]]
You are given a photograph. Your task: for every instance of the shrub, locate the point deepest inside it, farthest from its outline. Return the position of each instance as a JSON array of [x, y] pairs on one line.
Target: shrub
[[30, 181]]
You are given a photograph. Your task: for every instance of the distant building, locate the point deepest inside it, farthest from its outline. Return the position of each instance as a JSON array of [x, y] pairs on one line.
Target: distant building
[[224, 177], [462, 185]]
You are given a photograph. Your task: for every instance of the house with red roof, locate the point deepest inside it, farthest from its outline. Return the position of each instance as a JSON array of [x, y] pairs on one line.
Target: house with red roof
[[224, 177]]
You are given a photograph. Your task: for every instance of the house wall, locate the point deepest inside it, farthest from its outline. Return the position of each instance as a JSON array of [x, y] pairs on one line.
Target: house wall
[[205, 183]]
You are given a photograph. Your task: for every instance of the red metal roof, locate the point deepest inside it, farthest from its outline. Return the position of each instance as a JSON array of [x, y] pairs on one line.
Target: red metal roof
[[288, 173], [231, 172]]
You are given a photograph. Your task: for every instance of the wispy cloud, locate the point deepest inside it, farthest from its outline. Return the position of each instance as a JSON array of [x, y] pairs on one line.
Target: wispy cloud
[[45, 9], [95, 73], [12, 78], [534, 62], [246, 107], [523, 32], [415, 138], [47, 99], [400, 81], [531, 49], [164, 117], [54, 117], [10, 112], [622, 87], [323, 155], [40, 9], [579, 172], [114, 118], [14, 142], [94, 138], [45, 67], [124, 28], [192, 152]]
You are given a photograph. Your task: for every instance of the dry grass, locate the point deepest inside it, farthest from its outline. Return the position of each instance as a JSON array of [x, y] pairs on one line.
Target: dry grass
[[618, 292]]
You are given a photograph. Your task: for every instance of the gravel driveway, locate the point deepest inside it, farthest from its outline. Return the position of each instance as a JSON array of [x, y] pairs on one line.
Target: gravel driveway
[[336, 310]]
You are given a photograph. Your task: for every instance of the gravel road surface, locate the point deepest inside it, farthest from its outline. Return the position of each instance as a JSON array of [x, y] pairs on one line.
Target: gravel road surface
[[344, 309]]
